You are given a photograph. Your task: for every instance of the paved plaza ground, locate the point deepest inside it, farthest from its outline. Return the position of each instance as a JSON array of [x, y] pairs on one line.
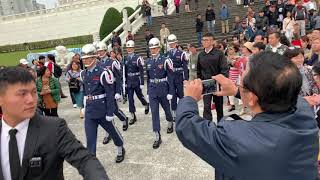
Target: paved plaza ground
[[170, 162]]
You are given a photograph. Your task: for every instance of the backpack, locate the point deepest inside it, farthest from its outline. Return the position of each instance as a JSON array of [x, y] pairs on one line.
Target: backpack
[[74, 84], [57, 71]]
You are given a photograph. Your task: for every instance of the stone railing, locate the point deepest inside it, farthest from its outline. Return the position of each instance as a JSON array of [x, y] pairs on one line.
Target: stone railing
[[71, 6], [136, 21], [132, 23]]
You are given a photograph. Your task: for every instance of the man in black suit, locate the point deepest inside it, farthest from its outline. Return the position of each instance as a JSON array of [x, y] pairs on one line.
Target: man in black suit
[[33, 147]]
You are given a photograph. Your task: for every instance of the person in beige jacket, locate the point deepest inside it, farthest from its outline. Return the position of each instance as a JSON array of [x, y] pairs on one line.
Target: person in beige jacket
[[164, 33], [287, 27]]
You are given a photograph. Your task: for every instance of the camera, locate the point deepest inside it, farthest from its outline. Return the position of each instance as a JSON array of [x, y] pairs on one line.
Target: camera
[[209, 86]]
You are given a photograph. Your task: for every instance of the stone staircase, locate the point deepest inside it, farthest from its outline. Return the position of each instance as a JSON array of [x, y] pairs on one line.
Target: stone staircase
[[183, 24]]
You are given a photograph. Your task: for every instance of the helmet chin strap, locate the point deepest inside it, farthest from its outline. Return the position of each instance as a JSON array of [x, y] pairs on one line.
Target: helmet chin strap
[[104, 55], [90, 63]]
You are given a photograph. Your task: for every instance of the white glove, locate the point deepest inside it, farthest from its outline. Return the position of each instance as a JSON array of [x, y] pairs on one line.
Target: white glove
[[117, 97], [141, 86], [169, 96]]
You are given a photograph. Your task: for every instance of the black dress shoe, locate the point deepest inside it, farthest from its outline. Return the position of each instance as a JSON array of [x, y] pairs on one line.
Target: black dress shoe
[[146, 111], [170, 130], [64, 96], [232, 108], [106, 140], [156, 144], [120, 158], [125, 126], [132, 121]]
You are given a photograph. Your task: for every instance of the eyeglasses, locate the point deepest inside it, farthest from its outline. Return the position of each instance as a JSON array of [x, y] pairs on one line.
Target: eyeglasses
[[205, 39], [239, 86]]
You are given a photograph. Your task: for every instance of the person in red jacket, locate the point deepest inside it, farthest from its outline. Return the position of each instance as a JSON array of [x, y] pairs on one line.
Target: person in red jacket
[[177, 4]]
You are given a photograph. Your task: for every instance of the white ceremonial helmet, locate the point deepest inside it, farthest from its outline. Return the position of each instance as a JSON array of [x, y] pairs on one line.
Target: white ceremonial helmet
[[88, 51], [154, 43], [130, 44], [172, 39], [101, 46]]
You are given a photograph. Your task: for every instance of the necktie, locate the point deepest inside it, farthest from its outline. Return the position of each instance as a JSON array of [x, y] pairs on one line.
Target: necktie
[[14, 155]]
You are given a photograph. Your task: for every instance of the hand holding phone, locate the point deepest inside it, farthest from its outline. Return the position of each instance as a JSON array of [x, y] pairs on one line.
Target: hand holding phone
[[209, 86]]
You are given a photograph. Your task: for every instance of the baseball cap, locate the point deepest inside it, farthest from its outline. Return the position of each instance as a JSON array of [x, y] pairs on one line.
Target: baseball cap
[[24, 61]]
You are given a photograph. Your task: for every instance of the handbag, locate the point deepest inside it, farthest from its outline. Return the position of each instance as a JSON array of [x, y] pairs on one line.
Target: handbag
[[74, 84]]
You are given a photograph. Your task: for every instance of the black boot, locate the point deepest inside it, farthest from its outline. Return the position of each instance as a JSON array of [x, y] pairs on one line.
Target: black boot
[[133, 120], [146, 110], [106, 140], [156, 144], [120, 158], [170, 128], [125, 126]]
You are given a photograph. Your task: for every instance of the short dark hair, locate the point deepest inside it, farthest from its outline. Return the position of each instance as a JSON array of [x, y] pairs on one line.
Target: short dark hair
[[276, 33], [209, 35], [284, 40], [52, 57], [42, 71], [259, 45], [14, 75], [293, 52], [192, 45], [260, 35], [275, 80], [42, 57]]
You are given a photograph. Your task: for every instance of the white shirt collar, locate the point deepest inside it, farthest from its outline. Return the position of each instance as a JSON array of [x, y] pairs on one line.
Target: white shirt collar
[[279, 44], [21, 136], [208, 51], [20, 127]]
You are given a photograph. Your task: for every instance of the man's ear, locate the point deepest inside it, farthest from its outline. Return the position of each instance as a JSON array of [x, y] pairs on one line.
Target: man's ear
[[253, 99]]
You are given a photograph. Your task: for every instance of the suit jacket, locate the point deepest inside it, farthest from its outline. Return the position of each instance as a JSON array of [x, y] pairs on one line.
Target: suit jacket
[[272, 146], [52, 140]]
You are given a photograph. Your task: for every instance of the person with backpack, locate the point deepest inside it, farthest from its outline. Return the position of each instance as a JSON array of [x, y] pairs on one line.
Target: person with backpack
[[75, 85], [300, 15]]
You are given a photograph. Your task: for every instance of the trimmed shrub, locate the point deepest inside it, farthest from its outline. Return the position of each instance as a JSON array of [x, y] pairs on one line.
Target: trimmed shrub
[[47, 44], [111, 20]]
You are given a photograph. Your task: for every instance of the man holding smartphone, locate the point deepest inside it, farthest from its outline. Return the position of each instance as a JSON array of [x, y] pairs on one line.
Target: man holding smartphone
[[279, 142], [211, 62]]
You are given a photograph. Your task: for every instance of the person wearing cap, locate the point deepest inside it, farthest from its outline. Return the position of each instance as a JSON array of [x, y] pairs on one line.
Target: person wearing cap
[[160, 88], [180, 70], [134, 80], [99, 103], [23, 63], [111, 63], [274, 44], [241, 65]]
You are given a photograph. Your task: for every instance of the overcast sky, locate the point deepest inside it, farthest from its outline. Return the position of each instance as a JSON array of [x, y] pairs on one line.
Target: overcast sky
[[48, 3]]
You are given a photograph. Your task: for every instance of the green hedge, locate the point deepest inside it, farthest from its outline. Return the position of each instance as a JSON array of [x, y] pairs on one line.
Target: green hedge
[[111, 20], [47, 44]]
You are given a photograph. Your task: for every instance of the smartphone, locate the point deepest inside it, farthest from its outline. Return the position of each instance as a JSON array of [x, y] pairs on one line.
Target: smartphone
[[209, 86]]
